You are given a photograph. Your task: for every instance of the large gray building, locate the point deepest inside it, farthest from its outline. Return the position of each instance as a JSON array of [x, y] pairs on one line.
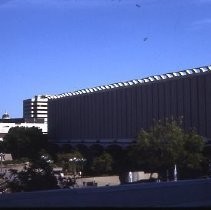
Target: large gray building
[[117, 112]]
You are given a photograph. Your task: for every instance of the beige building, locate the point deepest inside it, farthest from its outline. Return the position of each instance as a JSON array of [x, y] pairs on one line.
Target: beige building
[[6, 123]]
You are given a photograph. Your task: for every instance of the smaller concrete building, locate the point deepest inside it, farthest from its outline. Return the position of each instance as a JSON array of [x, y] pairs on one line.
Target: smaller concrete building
[[6, 123]]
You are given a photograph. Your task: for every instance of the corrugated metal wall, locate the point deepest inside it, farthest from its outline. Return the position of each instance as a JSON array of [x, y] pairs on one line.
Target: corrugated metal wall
[[120, 113]]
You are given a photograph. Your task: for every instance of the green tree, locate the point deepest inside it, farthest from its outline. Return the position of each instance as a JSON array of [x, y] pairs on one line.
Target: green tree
[[118, 154], [63, 160], [83, 149], [38, 176], [102, 164], [165, 145], [24, 142], [94, 151]]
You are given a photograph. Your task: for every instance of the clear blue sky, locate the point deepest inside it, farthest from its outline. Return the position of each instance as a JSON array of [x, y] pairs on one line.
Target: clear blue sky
[[57, 46]]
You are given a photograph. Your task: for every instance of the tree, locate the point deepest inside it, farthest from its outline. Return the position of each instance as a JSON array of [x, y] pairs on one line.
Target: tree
[[66, 148], [52, 149], [102, 164], [118, 154], [63, 159], [165, 145], [24, 142], [38, 176], [94, 151], [83, 149]]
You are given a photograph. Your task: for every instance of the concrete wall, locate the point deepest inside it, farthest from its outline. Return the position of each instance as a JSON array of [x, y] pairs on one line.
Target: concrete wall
[[100, 181]]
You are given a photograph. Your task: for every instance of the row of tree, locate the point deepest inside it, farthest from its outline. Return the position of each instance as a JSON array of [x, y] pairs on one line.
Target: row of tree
[[156, 150]]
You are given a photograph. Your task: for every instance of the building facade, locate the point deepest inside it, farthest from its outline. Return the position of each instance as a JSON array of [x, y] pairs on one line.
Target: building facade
[[36, 107], [116, 113], [6, 123]]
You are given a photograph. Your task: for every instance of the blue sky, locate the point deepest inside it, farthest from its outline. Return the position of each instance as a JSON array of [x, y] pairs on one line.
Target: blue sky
[[57, 46]]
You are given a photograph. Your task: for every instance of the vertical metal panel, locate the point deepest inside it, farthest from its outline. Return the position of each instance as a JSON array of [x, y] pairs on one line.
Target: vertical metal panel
[[155, 101], [180, 98], [187, 101], [60, 117], [149, 106], [57, 119], [81, 101], [124, 114], [194, 102], [161, 100], [167, 100], [97, 115], [94, 110], [86, 117], [133, 112], [64, 122], [69, 117], [101, 119], [144, 105], [129, 112], [53, 114], [108, 114], [90, 116], [119, 113], [173, 99], [202, 105], [112, 110], [207, 105], [73, 117], [139, 109], [120, 116], [64, 119], [78, 113], [114, 115], [105, 114]]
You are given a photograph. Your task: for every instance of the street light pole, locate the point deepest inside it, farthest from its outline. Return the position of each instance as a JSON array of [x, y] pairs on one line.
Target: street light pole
[[75, 160]]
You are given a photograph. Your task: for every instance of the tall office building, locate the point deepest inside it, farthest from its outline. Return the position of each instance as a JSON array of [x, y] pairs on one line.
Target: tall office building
[[36, 108]]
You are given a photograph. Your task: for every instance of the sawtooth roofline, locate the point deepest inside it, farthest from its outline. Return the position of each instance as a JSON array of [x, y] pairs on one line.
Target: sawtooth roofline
[[134, 82]]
